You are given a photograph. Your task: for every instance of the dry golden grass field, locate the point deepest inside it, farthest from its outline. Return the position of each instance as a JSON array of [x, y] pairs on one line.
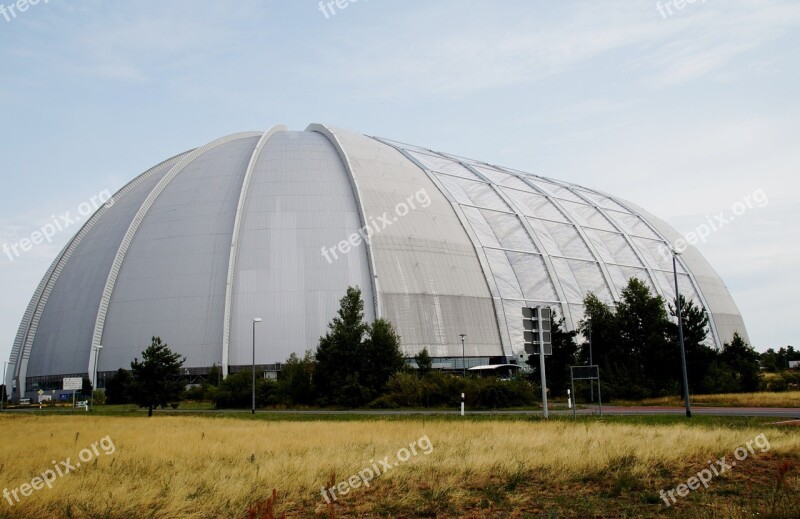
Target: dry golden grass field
[[210, 467], [762, 399]]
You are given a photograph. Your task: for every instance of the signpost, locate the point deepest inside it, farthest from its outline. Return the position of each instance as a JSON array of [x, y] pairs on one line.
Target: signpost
[[585, 373], [536, 331], [72, 384]]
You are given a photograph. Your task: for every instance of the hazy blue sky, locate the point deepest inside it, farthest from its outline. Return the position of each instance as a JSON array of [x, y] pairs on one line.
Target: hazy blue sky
[[685, 114]]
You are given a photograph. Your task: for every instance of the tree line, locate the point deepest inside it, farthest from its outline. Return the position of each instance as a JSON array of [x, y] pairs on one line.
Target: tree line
[[355, 364], [635, 343]]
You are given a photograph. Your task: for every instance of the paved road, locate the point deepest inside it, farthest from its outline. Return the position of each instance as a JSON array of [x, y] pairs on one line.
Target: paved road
[[770, 412], [776, 412]]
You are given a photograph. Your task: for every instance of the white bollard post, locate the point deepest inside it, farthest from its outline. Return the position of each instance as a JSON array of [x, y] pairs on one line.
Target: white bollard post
[[569, 399], [462, 404]]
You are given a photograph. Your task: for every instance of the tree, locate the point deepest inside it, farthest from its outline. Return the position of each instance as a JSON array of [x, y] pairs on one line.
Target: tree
[[742, 360], [355, 360], [156, 380], [777, 361], [214, 376], [424, 362], [382, 357], [339, 351], [565, 351], [643, 325], [86, 387], [236, 391], [295, 380], [699, 357], [632, 343], [118, 388]]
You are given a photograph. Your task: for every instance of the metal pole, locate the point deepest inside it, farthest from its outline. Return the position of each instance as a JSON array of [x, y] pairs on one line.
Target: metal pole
[[3, 396], [255, 320], [591, 361], [575, 401], [94, 375], [463, 359], [5, 390], [599, 396], [541, 362], [680, 336]]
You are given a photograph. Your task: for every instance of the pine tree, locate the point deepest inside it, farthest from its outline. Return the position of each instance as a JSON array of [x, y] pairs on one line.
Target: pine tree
[[156, 380]]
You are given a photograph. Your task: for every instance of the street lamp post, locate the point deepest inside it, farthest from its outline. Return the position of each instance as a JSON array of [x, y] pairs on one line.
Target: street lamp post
[[255, 320], [463, 358], [5, 390], [94, 374], [591, 360], [680, 335]]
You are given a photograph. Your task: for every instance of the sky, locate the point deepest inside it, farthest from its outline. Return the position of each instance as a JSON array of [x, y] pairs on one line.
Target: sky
[[689, 113]]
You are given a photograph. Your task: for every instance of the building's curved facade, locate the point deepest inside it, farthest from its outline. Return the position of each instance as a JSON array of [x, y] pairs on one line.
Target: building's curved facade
[[255, 224]]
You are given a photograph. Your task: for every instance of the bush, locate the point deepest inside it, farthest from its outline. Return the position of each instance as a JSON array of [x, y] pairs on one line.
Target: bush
[[119, 387], [493, 393], [437, 389], [197, 393], [236, 391], [99, 397]]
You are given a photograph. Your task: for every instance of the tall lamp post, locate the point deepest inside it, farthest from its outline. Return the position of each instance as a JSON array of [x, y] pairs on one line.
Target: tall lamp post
[[463, 358], [591, 360], [94, 374], [255, 320], [680, 334], [5, 390]]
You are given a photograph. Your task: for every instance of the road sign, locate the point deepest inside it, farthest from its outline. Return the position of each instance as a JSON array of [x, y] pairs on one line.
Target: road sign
[[585, 372], [73, 384], [537, 330]]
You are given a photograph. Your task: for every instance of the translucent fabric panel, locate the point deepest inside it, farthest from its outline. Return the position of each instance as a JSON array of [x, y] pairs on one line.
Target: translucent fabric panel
[[656, 253], [513, 314], [667, 284], [535, 205], [614, 244], [503, 273], [503, 179], [578, 314], [557, 191], [549, 244], [533, 276], [603, 201], [569, 284], [513, 311], [599, 245], [481, 227], [443, 165], [409, 147], [633, 224], [569, 241], [509, 231], [500, 315], [617, 276], [477, 193], [666, 280], [434, 322], [640, 274], [590, 279], [455, 189], [588, 216]]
